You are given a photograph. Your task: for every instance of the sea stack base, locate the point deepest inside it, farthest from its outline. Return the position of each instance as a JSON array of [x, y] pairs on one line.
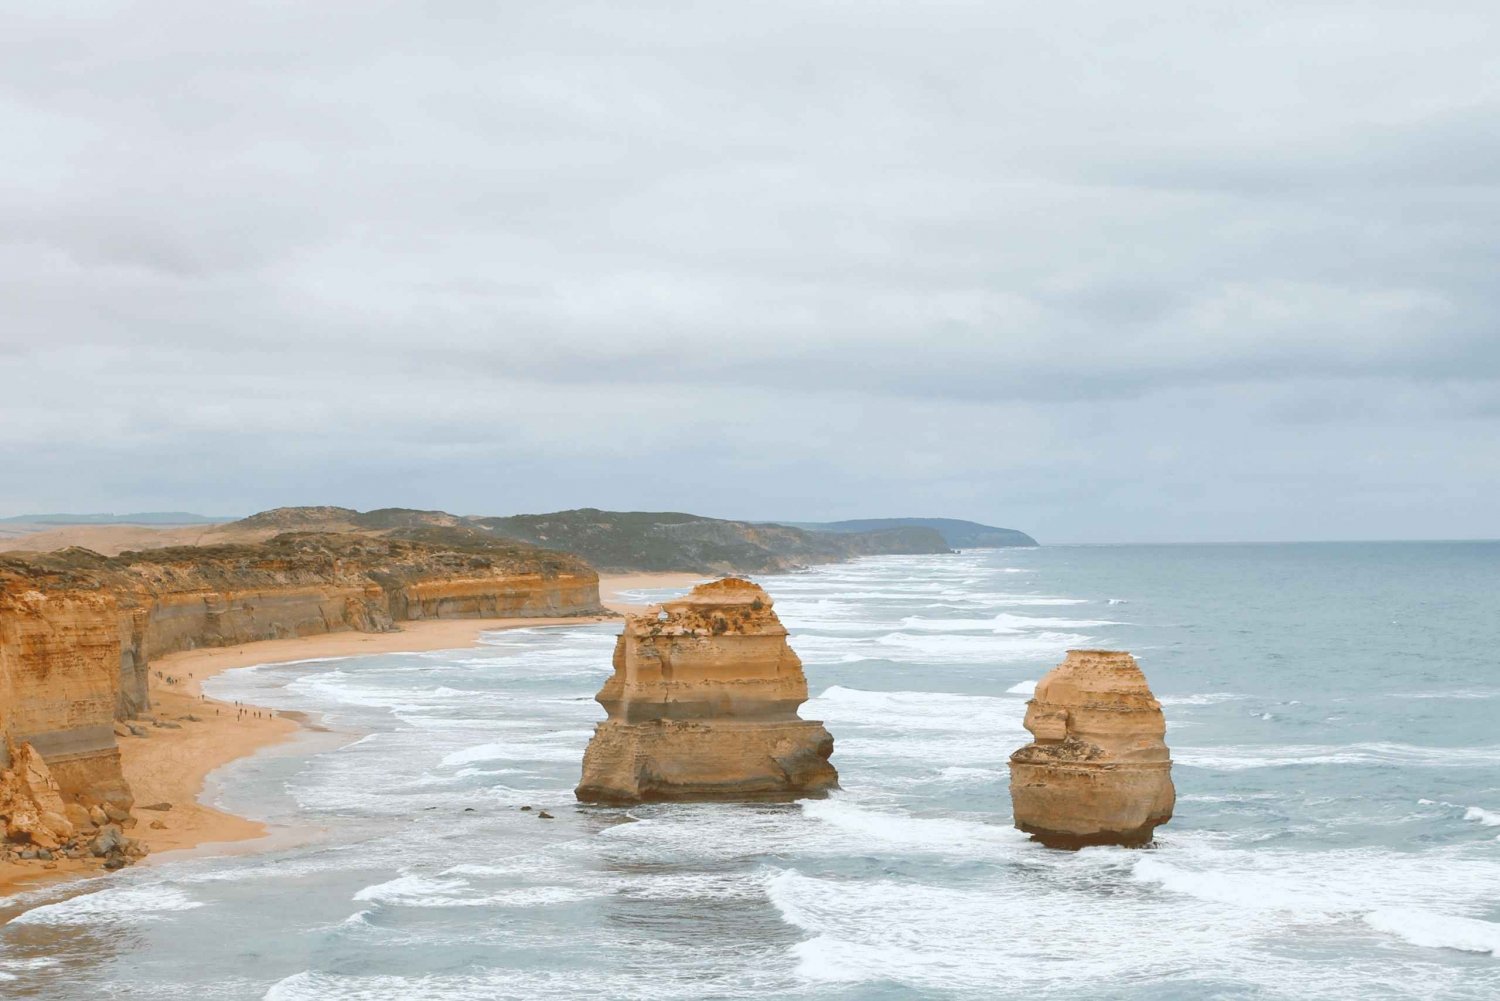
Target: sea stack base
[[678, 760]]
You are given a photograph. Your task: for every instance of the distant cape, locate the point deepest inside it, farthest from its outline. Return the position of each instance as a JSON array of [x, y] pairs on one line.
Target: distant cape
[[957, 533]]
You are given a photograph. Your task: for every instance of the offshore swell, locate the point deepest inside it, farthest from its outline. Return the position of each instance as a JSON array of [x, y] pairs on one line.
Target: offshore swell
[[1331, 710]]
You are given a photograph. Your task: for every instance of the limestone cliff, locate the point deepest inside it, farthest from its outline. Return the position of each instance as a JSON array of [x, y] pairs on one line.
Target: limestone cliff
[[78, 630], [703, 706], [1098, 771]]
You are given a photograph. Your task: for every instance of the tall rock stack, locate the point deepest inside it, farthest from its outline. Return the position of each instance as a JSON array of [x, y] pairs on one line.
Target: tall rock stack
[[1098, 771], [703, 706]]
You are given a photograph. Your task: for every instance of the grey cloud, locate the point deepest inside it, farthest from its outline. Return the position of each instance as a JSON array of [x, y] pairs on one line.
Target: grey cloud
[[1018, 264]]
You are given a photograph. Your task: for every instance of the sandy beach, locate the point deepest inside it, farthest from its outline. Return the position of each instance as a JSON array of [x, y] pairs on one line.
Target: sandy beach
[[170, 764]]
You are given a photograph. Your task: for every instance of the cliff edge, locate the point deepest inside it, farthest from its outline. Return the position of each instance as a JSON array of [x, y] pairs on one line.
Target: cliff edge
[[78, 630]]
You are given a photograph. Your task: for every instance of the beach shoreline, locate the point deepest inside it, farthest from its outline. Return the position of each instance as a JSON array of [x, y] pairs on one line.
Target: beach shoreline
[[188, 736]]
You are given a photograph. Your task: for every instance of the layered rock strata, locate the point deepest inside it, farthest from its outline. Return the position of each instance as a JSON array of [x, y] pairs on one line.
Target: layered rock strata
[[1098, 771], [703, 706], [32, 811], [78, 630]]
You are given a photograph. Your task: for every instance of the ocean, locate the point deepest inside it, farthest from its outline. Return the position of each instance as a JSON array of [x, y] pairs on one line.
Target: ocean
[[1333, 713]]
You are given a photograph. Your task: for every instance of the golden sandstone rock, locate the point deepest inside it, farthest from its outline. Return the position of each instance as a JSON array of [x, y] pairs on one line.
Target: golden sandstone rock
[[31, 806], [1098, 771], [78, 630], [703, 706]]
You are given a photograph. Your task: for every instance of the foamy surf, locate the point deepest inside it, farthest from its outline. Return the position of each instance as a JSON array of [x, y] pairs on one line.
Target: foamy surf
[[124, 905], [1488, 818], [1239, 758], [917, 834], [1298, 866], [1438, 931]]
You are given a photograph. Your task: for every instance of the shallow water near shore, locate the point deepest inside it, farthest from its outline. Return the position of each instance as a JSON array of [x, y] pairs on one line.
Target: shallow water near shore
[[1333, 712]]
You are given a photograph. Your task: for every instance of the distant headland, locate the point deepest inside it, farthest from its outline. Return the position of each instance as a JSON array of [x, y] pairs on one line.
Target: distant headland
[[609, 541], [957, 533]]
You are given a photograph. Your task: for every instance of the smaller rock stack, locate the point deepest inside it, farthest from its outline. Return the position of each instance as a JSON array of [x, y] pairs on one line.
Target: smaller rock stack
[[703, 706], [1098, 771]]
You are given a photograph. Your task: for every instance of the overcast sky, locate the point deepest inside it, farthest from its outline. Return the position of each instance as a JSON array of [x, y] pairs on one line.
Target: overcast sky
[[1101, 272]]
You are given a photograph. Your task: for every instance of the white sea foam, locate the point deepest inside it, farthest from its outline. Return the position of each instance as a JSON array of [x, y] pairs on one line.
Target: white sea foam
[[1203, 699], [958, 649], [961, 715], [1022, 688], [1241, 757], [409, 889], [1320, 886], [1437, 931], [427, 891], [941, 938], [1488, 818], [1463, 694], [1254, 891], [483, 752], [913, 834], [1006, 600], [1001, 624], [1329, 887], [831, 960], [496, 983], [966, 774], [124, 905], [32, 963]]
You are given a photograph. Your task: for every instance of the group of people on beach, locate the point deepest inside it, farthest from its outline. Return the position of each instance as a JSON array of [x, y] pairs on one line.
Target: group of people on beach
[[243, 712]]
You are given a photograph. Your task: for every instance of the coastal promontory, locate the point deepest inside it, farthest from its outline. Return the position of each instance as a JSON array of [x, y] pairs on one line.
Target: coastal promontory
[[79, 632]]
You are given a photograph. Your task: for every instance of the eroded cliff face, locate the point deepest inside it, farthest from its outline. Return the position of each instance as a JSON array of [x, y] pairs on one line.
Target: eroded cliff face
[[1098, 771], [78, 630], [703, 706], [60, 683]]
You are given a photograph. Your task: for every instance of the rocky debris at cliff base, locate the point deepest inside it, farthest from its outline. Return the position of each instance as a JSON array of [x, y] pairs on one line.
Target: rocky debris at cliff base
[[109, 845], [1098, 771], [108, 841], [31, 806], [703, 706], [37, 826]]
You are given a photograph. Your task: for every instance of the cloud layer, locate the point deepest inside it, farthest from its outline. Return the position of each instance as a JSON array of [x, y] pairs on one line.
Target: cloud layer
[[1164, 273]]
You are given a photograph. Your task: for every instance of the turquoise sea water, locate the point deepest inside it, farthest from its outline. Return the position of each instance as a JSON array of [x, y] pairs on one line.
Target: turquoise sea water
[[1333, 712]]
